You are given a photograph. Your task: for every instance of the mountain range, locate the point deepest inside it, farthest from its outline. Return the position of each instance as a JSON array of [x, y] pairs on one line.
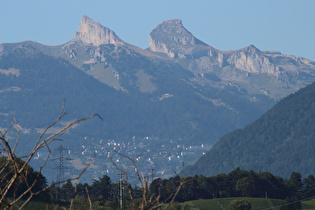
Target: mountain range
[[179, 90]]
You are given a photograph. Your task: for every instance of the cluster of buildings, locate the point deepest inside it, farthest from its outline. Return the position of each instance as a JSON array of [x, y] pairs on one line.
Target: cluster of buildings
[[150, 155]]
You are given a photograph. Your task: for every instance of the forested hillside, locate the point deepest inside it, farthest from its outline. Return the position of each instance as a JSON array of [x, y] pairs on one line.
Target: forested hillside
[[281, 141]]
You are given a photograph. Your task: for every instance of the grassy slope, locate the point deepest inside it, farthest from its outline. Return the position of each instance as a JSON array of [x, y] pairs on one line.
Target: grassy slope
[[257, 203], [36, 205], [213, 204]]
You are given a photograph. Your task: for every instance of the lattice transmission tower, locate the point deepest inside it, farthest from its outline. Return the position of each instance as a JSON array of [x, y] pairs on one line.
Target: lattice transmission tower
[[62, 165]]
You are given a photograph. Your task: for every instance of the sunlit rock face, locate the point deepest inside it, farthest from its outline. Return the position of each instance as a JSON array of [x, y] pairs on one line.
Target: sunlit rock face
[[252, 60], [172, 38], [91, 32]]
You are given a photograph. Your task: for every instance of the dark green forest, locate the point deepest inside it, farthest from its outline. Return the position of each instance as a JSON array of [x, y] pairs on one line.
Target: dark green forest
[[280, 141], [22, 184]]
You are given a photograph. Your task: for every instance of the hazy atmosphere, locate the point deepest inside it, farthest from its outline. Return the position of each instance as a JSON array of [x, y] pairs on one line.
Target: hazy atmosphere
[[287, 26], [157, 104]]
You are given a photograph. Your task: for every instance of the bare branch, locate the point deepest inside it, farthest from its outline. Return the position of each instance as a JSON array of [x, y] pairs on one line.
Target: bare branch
[[87, 192], [7, 130], [76, 183], [13, 173], [18, 134]]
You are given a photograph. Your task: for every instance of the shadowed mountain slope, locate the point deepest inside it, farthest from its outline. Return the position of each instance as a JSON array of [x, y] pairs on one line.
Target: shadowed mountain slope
[[281, 141]]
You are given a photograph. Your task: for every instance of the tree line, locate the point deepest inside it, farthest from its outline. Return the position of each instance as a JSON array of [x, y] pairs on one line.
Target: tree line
[[237, 183]]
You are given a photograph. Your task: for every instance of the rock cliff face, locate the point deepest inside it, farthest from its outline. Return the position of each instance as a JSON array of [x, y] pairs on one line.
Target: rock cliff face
[[172, 38], [252, 60], [91, 32]]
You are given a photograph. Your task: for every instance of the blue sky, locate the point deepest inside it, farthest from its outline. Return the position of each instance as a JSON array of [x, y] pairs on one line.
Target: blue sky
[[287, 26]]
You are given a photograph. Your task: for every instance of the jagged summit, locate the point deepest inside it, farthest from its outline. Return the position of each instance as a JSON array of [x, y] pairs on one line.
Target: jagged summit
[[91, 32], [172, 38], [250, 48], [174, 31]]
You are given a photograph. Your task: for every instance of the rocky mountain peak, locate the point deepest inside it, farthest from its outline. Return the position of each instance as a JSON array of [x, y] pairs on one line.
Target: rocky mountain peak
[[172, 38], [250, 59], [91, 32], [250, 49]]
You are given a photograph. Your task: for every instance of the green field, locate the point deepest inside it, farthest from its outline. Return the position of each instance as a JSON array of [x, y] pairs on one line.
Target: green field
[[222, 203], [310, 204], [212, 204], [257, 203]]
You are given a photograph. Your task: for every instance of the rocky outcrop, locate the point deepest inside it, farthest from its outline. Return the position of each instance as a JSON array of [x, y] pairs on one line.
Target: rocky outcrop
[[91, 32], [252, 60], [172, 38]]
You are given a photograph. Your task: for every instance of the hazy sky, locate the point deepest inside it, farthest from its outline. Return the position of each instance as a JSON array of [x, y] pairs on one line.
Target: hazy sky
[[287, 26]]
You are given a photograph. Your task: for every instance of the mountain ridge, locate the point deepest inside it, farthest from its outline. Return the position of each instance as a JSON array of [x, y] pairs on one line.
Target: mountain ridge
[[234, 71], [235, 67]]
